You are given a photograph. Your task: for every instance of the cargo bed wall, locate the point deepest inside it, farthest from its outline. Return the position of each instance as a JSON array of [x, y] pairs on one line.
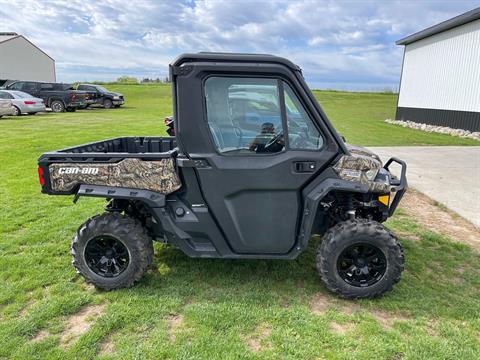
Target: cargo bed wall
[[156, 175], [132, 145], [146, 163]]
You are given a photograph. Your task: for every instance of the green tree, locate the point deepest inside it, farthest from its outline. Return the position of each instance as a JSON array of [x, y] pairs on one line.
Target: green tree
[[127, 80]]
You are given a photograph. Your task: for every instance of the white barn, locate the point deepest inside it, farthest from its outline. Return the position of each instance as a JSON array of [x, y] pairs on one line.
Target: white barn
[[20, 59], [440, 81]]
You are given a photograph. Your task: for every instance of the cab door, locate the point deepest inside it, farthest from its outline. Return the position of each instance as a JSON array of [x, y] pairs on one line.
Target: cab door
[[267, 148]]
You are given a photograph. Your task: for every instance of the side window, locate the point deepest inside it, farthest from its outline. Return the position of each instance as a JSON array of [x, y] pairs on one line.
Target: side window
[[302, 132], [244, 115], [16, 86], [29, 87], [5, 95]]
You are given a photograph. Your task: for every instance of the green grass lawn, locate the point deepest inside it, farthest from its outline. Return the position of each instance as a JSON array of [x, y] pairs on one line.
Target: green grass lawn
[[215, 309]]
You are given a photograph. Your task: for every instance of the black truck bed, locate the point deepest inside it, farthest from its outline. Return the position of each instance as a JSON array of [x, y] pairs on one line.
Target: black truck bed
[[123, 147], [146, 163]]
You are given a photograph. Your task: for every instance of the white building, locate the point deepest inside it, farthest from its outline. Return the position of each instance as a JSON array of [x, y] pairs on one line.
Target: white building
[[22, 60], [440, 82]]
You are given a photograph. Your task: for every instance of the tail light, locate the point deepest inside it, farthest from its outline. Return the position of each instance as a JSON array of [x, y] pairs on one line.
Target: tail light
[[40, 176], [74, 97], [29, 102]]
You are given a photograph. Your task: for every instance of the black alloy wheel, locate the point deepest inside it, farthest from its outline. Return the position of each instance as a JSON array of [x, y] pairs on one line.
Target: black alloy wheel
[[361, 265], [106, 256]]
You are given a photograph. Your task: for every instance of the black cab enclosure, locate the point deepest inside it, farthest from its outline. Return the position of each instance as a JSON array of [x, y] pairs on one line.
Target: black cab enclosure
[[255, 169]]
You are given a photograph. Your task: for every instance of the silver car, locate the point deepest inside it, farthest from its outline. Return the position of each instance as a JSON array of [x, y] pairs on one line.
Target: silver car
[[6, 107], [23, 102]]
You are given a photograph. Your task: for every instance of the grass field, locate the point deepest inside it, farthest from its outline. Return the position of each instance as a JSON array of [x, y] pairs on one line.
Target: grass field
[[215, 309]]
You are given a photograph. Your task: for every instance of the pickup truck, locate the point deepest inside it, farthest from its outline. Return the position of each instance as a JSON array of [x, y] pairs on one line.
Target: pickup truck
[[255, 168], [56, 96], [98, 95]]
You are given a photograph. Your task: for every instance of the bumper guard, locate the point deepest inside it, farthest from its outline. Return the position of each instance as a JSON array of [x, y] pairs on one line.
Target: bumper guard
[[399, 185]]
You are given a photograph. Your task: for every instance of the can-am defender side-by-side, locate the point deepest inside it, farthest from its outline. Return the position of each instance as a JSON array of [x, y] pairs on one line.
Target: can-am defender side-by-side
[[255, 168]]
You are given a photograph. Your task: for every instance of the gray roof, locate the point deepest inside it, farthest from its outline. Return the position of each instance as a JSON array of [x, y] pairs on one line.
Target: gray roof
[[469, 16], [4, 36], [7, 36]]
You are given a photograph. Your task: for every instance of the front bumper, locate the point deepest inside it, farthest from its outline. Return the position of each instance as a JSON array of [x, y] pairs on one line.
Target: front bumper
[[118, 102], [399, 186]]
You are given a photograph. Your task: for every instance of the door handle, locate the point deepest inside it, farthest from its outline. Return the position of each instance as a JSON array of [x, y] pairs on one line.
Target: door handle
[[304, 166]]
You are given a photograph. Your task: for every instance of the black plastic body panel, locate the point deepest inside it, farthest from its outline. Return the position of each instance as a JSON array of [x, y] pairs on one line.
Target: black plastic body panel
[[150, 198], [123, 145]]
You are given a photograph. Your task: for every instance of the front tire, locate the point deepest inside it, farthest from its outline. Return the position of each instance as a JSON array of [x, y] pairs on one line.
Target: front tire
[[359, 259], [111, 251], [107, 103]]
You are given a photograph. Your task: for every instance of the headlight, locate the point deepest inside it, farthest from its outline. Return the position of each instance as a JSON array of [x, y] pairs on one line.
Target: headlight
[[371, 174], [116, 98]]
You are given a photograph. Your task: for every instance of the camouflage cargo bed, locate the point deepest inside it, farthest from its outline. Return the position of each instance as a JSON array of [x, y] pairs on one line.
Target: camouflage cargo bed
[[146, 163]]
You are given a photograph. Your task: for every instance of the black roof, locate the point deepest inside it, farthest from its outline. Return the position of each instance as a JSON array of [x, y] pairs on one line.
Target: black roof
[[469, 16], [236, 57]]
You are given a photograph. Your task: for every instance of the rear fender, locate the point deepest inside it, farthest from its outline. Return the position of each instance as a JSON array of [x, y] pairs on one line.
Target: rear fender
[[53, 98], [150, 198]]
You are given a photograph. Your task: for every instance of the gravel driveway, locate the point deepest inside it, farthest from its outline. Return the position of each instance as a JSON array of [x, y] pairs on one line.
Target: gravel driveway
[[447, 174]]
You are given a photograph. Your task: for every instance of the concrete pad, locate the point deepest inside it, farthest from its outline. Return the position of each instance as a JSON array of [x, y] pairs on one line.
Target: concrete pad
[[447, 174]]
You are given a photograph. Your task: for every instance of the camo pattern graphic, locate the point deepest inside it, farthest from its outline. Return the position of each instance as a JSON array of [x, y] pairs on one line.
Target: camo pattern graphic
[[158, 175], [359, 150], [353, 168]]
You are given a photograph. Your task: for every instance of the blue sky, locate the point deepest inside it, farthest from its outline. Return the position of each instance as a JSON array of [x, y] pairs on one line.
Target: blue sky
[[339, 44]]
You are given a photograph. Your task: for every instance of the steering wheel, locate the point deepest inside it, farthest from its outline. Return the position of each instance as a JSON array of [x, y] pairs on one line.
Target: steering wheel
[[274, 140]]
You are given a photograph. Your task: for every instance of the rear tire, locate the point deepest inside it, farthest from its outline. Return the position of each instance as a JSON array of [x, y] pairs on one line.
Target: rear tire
[[111, 251], [359, 259], [17, 111], [57, 106], [107, 103]]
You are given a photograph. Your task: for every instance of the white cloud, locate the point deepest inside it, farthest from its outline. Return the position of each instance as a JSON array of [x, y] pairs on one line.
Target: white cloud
[[334, 41]]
